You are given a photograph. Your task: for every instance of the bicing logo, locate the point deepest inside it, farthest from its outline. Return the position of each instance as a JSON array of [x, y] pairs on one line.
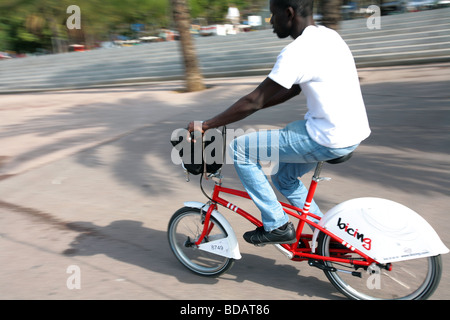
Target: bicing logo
[[366, 242]]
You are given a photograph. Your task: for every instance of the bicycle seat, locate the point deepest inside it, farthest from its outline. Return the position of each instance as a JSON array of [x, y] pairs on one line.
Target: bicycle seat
[[340, 159]]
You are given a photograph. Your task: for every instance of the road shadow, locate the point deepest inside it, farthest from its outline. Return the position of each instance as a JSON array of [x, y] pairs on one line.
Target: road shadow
[[411, 117], [130, 242]]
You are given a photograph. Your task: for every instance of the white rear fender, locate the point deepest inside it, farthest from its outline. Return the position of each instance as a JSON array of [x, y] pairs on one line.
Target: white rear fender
[[384, 230], [228, 246]]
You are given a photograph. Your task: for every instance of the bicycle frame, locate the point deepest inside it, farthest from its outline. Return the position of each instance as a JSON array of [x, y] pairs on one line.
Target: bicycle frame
[[297, 252]]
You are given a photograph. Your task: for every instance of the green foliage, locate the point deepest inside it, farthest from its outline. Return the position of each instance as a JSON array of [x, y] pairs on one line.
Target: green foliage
[[27, 25]]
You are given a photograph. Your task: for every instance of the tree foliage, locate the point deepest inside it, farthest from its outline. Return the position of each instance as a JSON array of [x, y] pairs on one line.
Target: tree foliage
[[26, 25]]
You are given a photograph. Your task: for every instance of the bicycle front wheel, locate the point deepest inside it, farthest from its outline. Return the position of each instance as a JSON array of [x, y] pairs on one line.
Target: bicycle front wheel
[[414, 279], [185, 228]]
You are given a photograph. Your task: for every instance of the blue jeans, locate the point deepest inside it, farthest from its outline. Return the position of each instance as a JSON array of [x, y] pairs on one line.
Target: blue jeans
[[296, 154]]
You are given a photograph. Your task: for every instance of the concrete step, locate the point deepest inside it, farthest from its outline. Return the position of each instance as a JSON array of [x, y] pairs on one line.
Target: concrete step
[[403, 39]]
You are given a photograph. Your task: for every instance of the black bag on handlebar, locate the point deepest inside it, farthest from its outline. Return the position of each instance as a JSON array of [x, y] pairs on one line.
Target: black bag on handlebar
[[200, 154]]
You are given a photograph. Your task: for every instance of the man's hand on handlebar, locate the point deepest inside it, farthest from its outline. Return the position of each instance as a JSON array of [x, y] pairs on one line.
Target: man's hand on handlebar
[[195, 126]]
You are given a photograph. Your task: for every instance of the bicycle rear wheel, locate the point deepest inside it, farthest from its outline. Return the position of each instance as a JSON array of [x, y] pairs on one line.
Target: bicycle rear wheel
[[185, 227], [415, 279]]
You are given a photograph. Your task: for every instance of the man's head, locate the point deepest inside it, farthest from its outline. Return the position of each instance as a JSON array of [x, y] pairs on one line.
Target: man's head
[[290, 17]]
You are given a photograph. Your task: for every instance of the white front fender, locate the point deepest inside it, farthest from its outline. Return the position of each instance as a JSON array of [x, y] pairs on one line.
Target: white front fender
[[228, 246], [384, 230]]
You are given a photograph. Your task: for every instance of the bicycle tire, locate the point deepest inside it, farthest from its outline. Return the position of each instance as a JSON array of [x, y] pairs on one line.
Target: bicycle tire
[[406, 281], [184, 229]]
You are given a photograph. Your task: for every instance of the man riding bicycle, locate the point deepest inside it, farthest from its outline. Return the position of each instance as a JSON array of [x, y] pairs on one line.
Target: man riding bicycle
[[319, 63]]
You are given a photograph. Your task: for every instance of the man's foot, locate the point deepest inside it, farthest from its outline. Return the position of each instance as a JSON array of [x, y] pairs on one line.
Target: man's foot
[[284, 234]]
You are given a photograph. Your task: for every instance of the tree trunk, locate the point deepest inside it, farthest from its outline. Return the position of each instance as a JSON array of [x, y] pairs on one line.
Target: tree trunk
[[331, 13], [181, 16]]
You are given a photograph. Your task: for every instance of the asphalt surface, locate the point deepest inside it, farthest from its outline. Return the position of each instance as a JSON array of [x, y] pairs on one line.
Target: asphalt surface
[[87, 184]]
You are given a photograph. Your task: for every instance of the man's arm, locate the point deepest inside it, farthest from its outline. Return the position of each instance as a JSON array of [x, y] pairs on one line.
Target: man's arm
[[267, 94], [283, 95]]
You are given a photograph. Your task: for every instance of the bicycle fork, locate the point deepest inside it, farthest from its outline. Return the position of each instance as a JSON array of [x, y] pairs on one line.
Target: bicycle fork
[[208, 224]]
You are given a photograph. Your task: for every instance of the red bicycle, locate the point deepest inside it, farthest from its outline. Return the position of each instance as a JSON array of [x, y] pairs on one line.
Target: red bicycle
[[368, 248]]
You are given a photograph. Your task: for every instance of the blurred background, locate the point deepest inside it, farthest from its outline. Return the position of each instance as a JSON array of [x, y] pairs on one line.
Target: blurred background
[[229, 38], [33, 27]]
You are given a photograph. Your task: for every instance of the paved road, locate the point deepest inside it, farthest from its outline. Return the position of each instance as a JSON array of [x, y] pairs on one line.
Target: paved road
[[86, 181]]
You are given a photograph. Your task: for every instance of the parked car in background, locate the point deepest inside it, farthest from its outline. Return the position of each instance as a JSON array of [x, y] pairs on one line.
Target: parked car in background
[[418, 5], [411, 5], [393, 7], [77, 48], [4, 55], [443, 3]]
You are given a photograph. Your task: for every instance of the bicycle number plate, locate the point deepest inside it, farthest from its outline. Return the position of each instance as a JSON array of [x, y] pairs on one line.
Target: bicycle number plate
[[220, 247]]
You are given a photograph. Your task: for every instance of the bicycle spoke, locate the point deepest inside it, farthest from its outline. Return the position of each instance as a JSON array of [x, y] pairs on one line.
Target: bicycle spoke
[[410, 279], [186, 225]]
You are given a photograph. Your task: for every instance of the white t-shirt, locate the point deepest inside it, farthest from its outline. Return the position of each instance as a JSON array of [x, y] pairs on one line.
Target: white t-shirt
[[322, 64]]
